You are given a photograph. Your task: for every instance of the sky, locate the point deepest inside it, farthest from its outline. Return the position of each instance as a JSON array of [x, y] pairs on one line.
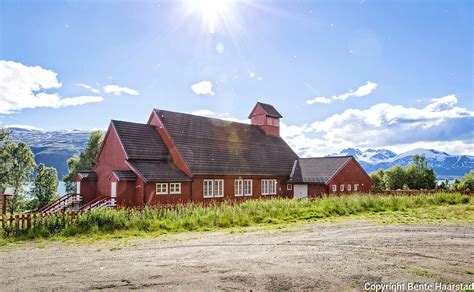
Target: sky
[[365, 74]]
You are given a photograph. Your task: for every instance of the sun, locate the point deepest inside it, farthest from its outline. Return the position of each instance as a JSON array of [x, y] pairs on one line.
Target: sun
[[212, 11]]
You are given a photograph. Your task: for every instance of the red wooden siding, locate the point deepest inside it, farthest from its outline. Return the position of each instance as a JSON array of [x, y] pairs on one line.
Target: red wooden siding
[[317, 190], [111, 157], [198, 189], [351, 173], [152, 198]]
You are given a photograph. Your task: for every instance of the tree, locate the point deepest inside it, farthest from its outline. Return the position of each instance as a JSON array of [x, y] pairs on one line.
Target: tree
[[22, 166], [418, 175], [5, 161], [378, 184], [444, 185], [465, 184], [45, 186], [69, 179], [394, 178], [85, 161]]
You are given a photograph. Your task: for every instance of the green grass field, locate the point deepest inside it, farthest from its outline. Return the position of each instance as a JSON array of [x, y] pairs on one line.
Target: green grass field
[[260, 213]]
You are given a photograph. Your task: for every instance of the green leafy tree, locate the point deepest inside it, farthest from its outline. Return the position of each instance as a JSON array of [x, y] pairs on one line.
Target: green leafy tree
[[378, 183], [419, 175], [85, 161], [45, 187], [394, 178], [465, 184], [22, 162], [5, 159]]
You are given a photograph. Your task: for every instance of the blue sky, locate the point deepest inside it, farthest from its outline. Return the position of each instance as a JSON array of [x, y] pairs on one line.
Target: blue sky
[[380, 74]]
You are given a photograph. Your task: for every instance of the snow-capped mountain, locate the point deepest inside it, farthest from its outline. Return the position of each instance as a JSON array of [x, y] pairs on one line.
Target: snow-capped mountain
[[444, 164], [53, 148]]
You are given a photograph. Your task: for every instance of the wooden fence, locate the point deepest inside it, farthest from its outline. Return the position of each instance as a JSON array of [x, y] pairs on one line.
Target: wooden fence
[[26, 221], [420, 192]]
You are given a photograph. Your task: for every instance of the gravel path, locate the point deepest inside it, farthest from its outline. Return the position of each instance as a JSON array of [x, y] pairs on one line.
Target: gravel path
[[312, 256]]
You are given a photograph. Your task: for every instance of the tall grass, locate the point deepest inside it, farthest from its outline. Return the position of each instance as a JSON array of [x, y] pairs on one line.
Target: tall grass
[[195, 217]]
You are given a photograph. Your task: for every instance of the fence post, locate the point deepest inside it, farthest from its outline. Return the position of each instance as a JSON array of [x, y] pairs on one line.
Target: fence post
[[28, 221]]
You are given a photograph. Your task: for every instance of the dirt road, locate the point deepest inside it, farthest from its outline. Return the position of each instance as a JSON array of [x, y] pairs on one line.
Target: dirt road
[[312, 256]]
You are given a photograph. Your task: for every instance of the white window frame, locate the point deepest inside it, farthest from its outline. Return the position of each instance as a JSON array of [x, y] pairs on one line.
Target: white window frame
[[248, 187], [349, 187], [176, 187], [334, 188], [269, 187], [289, 187], [341, 188], [78, 187], [356, 187], [238, 187], [161, 192], [214, 187]]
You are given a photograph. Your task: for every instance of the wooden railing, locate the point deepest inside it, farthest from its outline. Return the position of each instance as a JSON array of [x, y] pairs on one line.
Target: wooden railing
[[99, 202], [61, 204]]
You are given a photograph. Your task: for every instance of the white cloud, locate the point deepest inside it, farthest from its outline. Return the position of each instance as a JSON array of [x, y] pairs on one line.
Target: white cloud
[[117, 90], [319, 99], [80, 100], [88, 87], [203, 88], [438, 123], [363, 90], [203, 112], [23, 87]]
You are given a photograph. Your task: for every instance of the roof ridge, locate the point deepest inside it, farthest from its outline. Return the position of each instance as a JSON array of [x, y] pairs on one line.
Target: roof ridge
[[209, 118], [127, 122], [325, 157]]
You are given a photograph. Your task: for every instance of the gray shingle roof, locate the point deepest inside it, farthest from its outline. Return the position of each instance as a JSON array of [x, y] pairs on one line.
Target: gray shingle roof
[[218, 147], [87, 175], [154, 171], [125, 175], [317, 170], [141, 141], [271, 111]]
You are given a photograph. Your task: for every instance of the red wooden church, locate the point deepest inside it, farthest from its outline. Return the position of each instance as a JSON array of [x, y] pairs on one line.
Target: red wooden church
[[180, 158]]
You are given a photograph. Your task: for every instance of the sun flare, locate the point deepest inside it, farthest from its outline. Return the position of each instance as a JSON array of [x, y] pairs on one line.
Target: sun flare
[[212, 11]]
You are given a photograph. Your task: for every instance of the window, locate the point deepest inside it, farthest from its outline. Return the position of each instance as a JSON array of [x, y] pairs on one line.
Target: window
[[247, 187], [269, 186], [78, 187], [356, 187], [289, 187], [334, 188], [341, 188], [175, 188], [213, 188], [161, 188], [349, 187], [273, 122], [238, 187]]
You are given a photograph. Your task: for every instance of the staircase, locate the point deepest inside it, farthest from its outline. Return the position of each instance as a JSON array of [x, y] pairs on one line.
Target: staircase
[[99, 202], [69, 201]]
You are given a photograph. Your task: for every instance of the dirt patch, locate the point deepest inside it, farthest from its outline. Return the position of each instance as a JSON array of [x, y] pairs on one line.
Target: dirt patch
[[336, 256]]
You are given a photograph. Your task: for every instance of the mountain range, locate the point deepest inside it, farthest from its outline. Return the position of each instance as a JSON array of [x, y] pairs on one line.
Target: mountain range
[[444, 164], [53, 148]]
